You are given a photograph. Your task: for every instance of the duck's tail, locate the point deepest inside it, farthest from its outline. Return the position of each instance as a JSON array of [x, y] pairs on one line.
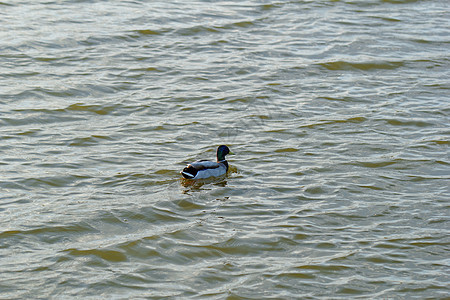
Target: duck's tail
[[189, 172]]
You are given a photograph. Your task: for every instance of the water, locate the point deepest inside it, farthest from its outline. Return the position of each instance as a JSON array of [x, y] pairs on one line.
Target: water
[[337, 112]]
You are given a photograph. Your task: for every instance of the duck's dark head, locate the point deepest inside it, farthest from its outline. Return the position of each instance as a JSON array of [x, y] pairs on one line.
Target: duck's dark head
[[222, 151]]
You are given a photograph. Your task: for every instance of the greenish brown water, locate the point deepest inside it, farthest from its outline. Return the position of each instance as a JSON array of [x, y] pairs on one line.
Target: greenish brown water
[[337, 111]]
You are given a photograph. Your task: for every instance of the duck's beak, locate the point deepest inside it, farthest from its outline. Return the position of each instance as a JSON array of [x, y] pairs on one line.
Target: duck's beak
[[230, 153]]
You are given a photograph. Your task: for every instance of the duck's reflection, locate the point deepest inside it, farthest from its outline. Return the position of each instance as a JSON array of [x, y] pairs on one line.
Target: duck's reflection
[[201, 184]]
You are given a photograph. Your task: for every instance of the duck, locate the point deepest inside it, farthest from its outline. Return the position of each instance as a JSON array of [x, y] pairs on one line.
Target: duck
[[202, 169]]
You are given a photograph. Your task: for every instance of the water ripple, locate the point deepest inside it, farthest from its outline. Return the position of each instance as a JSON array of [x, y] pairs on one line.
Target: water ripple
[[336, 110]]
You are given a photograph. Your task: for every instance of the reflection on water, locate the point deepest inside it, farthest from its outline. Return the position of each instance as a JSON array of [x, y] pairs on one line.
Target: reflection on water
[[197, 185]]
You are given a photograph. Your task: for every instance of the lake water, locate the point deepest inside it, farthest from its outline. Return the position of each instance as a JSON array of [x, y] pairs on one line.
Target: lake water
[[337, 112]]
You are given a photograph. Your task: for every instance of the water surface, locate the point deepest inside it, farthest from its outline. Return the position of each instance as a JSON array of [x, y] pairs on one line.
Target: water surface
[[337, 111]]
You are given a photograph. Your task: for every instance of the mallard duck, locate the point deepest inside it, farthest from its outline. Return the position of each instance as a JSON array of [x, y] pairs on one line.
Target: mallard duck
[[205, 168]]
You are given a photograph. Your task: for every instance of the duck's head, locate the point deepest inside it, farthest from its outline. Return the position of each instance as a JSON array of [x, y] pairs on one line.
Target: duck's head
[[222, 151]]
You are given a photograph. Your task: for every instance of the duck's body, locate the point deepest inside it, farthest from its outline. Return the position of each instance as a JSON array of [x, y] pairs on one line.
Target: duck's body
[[205, 168]]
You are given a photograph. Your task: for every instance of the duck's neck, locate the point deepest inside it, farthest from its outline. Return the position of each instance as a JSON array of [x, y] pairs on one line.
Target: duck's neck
[[224, 161], [220, 157]]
